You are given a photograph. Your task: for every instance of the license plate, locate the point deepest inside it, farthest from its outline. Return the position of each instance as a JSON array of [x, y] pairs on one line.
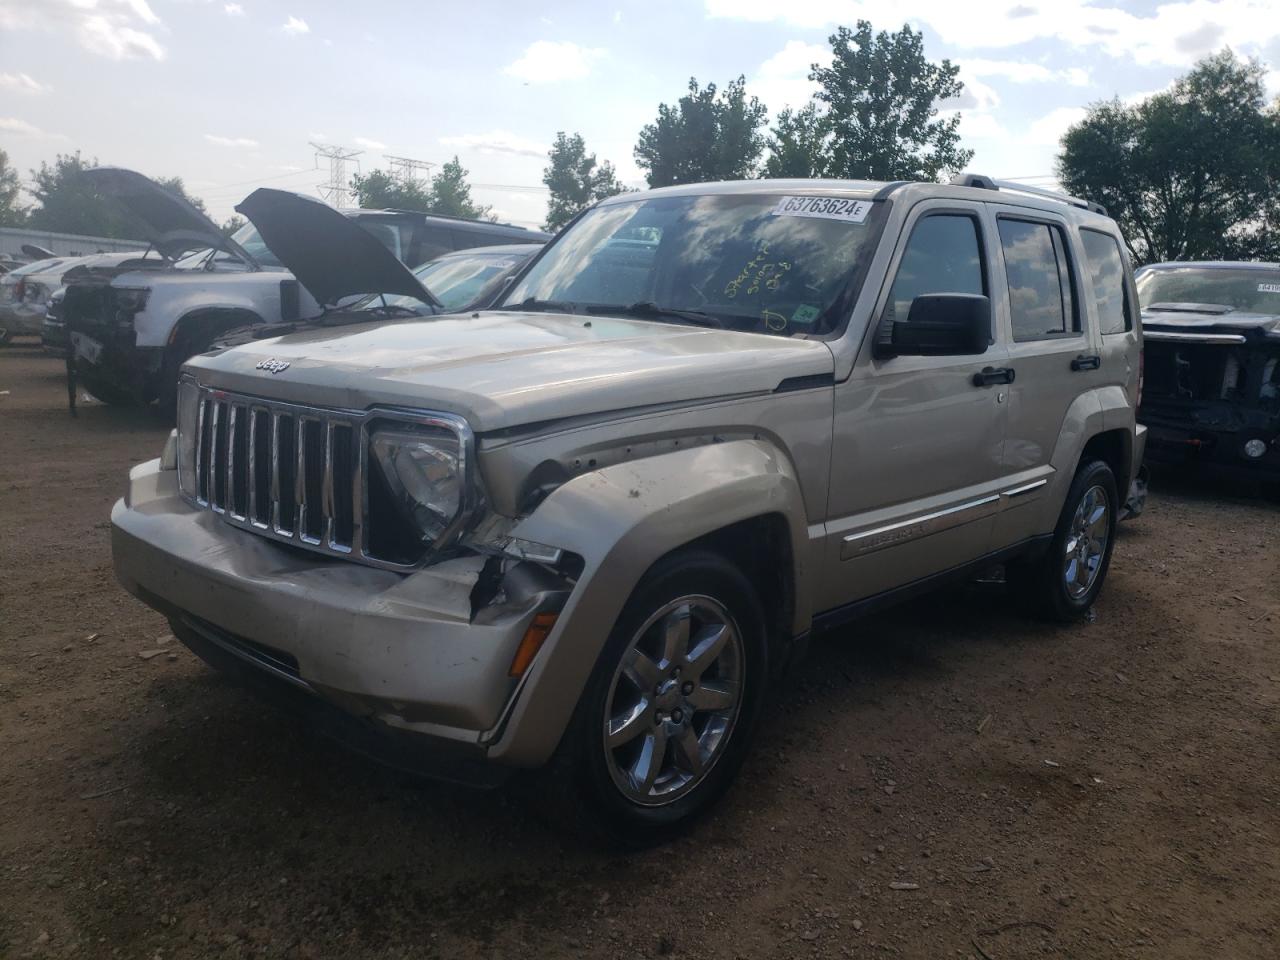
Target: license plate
[[87, 347]]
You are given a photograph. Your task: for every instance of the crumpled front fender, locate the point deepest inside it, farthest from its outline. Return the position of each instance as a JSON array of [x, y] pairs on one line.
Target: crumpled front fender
[[621, 520]]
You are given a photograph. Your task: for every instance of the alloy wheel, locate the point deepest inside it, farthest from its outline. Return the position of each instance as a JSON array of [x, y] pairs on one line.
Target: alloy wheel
[[674, 700], [1086, 543]]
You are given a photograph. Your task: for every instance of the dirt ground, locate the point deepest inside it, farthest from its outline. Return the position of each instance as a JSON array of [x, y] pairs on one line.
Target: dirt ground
[[948, 780]]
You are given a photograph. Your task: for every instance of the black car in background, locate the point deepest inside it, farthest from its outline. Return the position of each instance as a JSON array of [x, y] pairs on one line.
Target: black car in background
[[1211, 389]]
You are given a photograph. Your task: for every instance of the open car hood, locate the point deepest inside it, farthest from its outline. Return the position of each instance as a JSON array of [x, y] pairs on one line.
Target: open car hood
[[173, 225], [37, 252], [329, 253]]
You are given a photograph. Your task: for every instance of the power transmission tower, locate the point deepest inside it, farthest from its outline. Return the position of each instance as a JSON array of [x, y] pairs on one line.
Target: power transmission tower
[[337, 189], [404, 169]]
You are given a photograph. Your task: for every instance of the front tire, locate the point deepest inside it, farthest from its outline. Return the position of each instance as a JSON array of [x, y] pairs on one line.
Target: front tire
[[670, 708], [1065, 582]]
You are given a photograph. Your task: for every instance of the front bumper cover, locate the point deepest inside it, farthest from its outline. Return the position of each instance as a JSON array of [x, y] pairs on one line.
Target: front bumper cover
[[405, 652]]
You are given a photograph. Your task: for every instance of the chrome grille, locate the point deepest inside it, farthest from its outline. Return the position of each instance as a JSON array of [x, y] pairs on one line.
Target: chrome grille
[[295, 473]]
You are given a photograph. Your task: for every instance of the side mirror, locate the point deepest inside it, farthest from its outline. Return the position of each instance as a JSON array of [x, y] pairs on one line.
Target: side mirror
[[943, 324]]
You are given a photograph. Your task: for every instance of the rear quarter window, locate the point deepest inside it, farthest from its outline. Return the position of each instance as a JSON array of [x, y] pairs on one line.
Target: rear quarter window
[[1110, 292], [1041, 298]]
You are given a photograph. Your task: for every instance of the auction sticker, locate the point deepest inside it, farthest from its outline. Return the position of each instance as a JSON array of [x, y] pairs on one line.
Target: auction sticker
[[827, 208], [1269, 288]]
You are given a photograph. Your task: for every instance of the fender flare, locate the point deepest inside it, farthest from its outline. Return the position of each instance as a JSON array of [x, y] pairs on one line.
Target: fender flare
[[621, 520]]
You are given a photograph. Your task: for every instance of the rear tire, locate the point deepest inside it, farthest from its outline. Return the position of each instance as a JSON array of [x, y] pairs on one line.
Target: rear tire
[[1063, 583], [670, 709]]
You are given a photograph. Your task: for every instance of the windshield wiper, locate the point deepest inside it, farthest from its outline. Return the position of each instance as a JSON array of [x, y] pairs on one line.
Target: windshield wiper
[[533, 303], [647, 309]]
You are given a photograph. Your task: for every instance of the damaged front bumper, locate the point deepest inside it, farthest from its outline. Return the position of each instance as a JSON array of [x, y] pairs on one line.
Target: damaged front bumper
[[395, 653], [1213, 400]]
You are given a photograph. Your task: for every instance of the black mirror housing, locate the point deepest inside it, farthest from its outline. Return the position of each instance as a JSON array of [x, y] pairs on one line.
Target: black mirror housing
[[943, 324]]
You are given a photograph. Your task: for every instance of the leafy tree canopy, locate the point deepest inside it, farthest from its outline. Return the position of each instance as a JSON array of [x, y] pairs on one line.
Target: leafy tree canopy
[[1190, 173], [878, 116], [705, 136], [575, 179]]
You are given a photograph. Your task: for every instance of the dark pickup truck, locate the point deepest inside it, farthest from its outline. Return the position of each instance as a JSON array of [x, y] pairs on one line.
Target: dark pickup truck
[[1212, 364]]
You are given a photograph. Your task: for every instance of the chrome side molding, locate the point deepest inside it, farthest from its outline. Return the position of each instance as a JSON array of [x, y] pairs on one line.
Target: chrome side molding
[[890, 535]]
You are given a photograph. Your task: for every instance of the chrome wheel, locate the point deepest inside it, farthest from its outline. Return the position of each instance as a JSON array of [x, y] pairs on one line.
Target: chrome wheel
[[673, 701], [1086, 543]]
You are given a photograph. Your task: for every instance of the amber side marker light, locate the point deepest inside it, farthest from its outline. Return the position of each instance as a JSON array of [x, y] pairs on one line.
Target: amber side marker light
[[534, 637]]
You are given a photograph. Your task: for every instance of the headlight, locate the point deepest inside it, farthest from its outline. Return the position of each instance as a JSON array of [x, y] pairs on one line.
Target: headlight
[[424, 472], [188, 435], [129, 301]]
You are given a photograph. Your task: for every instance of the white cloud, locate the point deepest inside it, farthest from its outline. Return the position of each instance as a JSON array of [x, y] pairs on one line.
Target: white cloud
[[1172, 33], [981, 126], [366, 144], [295, 26], [21, 83], [617, 16], [1272, 83], [783, 80], [234, 10], [497, 141], [230, 141], [1019, 71], [1048, 130], [545, 61], [318, 136], [116, 29], [21, 128]]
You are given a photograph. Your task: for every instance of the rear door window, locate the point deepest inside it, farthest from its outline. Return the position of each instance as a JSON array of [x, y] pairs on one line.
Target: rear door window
[[1041, 301], [944, 255], [1110, 292]]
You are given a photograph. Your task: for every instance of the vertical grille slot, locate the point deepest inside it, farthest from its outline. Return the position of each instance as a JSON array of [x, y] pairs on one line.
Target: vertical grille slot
[[284, 468], [218, 458], [238, 461], [343, 480], [204, 430], [260, 450], [311, 459]]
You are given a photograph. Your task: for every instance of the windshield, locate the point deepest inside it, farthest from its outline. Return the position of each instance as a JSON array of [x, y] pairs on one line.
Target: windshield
[[1249, 291], [765, 264]]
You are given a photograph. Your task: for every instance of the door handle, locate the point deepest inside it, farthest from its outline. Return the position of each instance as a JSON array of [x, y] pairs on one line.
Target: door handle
[[989, 375], [1086, 361]]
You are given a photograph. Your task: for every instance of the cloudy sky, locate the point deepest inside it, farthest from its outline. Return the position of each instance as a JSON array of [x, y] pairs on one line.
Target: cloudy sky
[[228, 95]]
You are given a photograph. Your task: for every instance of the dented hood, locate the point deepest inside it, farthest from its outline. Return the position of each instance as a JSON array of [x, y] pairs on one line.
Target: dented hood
[[172, 223], [330, 254], [504, 369]]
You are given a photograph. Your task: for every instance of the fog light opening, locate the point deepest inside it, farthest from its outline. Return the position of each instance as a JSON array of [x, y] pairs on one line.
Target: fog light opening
[[531, 643], [1255, 448]]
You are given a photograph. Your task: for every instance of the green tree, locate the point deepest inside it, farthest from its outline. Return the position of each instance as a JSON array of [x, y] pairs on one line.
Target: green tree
[[1189, 174], [879, 102], [232, 224], [799, 144], [704, 137], [451, 194], [575, 179], [12, 214], [379, 190]]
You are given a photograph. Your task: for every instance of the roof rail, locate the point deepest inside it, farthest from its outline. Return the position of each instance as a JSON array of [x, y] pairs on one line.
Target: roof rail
[[981, 182]]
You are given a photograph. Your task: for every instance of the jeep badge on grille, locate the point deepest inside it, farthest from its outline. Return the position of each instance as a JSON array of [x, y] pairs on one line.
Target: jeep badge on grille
[[272, 365]]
